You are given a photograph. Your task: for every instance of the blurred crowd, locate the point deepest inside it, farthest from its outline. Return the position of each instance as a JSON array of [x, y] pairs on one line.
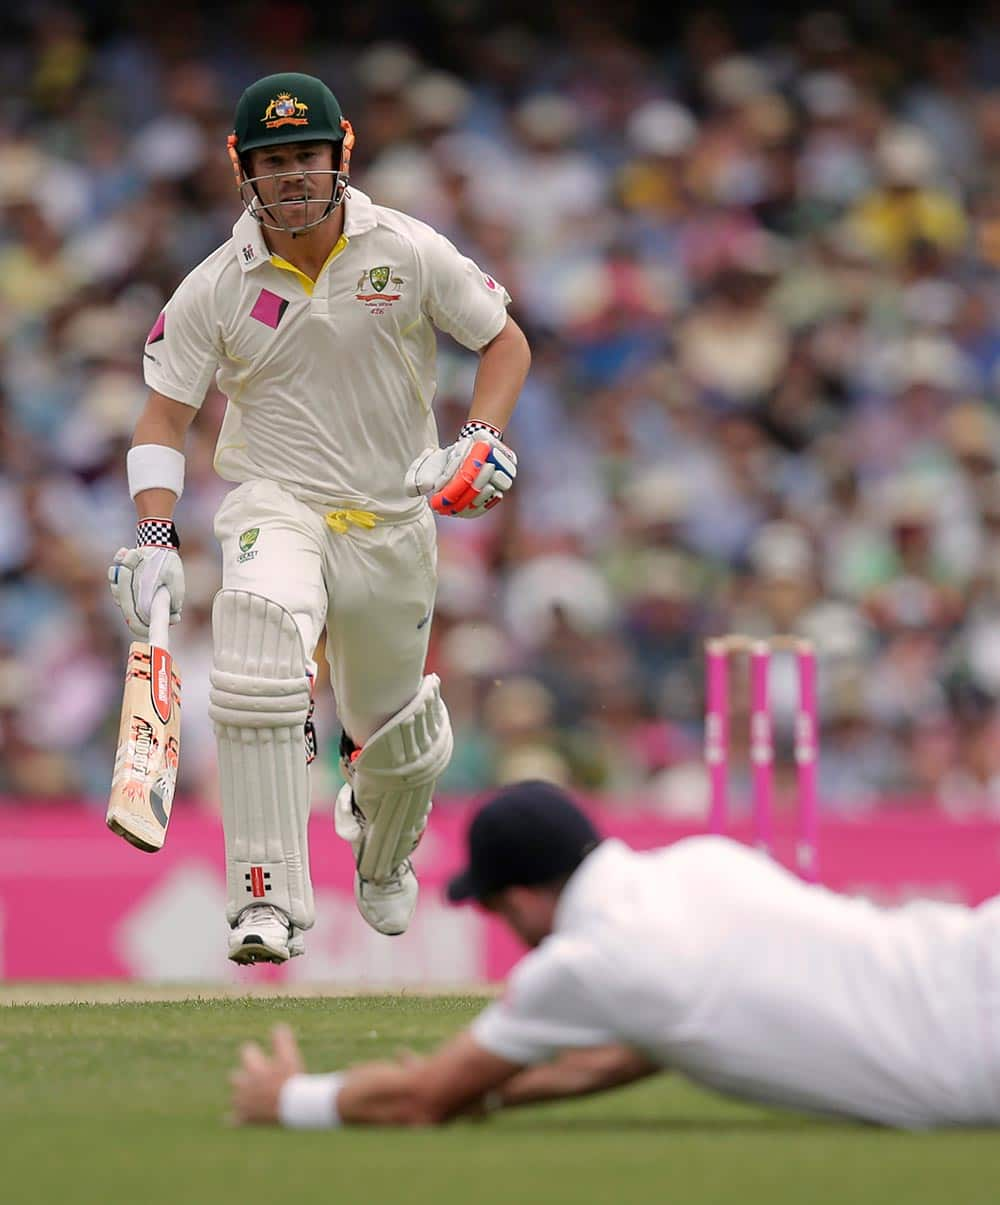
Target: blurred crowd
[[759, 276]]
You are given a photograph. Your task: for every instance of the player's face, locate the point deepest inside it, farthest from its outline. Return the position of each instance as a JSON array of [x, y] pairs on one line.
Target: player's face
[[294, 180], [529, 911]]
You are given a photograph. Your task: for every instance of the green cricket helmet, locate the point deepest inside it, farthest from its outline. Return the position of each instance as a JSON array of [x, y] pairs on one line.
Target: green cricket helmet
[[283, 108]]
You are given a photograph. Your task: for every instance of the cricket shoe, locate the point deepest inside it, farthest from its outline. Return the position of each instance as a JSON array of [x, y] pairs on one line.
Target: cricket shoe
[[262, 933], [389, 904]]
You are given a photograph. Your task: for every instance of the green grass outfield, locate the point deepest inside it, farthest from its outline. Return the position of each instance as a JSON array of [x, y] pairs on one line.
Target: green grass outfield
[[124, 1103]]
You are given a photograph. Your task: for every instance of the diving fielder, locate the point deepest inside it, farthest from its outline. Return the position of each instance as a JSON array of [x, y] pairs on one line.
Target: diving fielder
[[704, 957], [317, 321]]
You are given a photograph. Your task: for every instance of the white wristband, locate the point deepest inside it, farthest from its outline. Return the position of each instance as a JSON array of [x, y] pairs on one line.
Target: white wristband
[[309, 1102], [155, 467]]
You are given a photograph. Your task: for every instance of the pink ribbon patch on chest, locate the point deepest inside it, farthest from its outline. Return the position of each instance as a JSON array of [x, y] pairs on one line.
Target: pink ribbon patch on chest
[[269, 308]]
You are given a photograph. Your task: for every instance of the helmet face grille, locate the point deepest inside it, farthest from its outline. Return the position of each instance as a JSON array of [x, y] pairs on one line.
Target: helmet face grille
[[318, 199]]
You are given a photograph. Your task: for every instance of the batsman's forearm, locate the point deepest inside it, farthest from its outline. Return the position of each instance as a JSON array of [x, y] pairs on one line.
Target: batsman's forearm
[[503, 369], [155, 504], [165, 430]]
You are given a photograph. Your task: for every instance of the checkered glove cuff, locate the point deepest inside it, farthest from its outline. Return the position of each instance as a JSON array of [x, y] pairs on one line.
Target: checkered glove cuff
[[156, 533], [475, 425]]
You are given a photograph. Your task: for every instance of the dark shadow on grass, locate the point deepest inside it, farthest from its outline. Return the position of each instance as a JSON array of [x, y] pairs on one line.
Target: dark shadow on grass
[[671, 1125]]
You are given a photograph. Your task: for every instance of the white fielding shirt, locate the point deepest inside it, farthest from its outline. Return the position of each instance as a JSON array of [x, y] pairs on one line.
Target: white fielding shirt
[[716, 962], [329, 384]]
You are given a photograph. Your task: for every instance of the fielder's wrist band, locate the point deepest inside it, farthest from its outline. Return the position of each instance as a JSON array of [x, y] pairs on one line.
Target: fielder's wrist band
[[475, 425], [309, 1102], [156, 533], [155, 467]]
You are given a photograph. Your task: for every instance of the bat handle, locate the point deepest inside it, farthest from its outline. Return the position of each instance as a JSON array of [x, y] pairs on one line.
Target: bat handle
[[159, 617]]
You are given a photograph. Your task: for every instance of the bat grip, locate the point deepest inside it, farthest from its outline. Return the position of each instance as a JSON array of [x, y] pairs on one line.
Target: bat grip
[[159, 617]]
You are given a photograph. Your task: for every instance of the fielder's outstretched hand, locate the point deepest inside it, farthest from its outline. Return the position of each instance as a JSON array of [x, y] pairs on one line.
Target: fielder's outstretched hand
[[257, 1082], [465, 479]]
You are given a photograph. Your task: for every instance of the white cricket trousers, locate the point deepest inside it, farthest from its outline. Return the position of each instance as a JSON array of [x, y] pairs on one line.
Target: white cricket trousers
[[372, 588]]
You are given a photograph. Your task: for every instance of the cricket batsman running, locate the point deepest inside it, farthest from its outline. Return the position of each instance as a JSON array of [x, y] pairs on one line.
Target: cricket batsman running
[[317, 321]]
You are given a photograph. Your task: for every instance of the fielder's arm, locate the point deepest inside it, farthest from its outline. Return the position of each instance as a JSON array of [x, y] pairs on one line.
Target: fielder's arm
[[459, 1078], [424, 1091], [575, 1073], [411, 1091]]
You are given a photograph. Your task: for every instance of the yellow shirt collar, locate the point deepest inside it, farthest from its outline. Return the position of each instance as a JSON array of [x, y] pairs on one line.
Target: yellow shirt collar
[[307, 283]]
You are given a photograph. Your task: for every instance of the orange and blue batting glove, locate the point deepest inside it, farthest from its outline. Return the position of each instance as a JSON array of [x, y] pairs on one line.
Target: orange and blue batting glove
[[467, 478]]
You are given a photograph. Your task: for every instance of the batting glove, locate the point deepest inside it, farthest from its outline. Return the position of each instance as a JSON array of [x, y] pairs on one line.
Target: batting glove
[[467, 478], [137, 573]]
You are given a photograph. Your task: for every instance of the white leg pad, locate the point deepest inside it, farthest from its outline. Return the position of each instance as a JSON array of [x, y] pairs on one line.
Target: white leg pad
[[258, 702], [393, 780]]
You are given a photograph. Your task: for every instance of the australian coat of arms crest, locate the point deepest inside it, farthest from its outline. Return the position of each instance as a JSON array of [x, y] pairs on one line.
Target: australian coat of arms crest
[[285, 110]]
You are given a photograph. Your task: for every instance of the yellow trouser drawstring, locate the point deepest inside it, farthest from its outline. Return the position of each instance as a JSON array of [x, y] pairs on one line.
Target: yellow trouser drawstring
[[340, 520]]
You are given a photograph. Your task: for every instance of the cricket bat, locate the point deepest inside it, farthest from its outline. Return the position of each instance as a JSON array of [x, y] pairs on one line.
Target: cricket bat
[[145, 774]]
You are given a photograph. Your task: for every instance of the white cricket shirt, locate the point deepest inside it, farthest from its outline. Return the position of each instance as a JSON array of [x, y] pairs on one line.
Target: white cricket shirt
[[714, 961], [330, 384]]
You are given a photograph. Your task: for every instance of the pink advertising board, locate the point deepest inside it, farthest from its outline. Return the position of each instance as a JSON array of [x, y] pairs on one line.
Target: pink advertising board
[[78, 903]]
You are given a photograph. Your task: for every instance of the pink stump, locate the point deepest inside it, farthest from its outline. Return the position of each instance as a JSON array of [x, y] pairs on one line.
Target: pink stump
[[806, 759], [761, 745], [716, 732]]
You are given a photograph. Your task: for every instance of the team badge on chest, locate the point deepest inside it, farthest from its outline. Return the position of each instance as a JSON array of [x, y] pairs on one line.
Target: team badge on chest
[[378, 300]]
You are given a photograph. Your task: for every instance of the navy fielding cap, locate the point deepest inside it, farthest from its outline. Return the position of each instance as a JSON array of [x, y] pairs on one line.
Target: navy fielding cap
[[529, 833]]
